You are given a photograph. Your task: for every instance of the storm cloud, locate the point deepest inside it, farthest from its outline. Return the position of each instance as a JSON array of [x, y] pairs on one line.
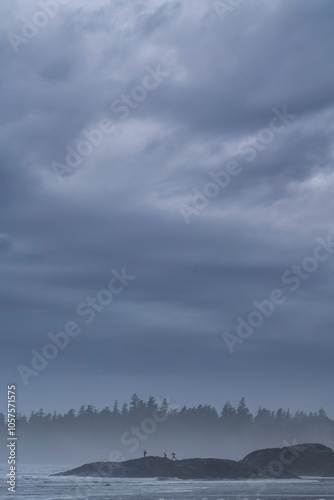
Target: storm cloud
[[182, 93]]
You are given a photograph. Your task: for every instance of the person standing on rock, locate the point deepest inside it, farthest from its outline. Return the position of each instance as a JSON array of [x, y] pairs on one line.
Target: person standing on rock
[[165, 456], [145, 453], [173, 456]]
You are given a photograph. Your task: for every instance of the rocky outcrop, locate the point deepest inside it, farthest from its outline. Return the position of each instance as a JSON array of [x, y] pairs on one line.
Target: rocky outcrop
[[310, 459], [148, 467], [278, 463], [192, 468]]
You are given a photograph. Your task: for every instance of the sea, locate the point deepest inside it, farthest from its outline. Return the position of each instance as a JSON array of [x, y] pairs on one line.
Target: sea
[[36, 483]]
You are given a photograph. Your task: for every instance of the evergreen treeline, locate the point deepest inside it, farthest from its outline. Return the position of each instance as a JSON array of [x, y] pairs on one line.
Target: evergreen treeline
[[190, 431]]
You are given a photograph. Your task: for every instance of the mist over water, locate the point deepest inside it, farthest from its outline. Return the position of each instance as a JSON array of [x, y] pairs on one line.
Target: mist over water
[[120, 434]]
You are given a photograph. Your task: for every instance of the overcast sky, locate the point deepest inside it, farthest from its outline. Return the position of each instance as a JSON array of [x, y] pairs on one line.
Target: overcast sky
[[184, 91]]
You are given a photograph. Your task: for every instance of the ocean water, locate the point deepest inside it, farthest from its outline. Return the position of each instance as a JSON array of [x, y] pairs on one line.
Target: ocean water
[[35, 483]]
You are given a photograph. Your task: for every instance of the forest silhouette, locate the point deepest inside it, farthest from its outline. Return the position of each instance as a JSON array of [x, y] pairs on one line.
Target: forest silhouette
[[118, 433]]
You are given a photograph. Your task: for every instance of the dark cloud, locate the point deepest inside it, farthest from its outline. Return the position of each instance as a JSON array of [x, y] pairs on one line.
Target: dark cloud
[[120, 208]]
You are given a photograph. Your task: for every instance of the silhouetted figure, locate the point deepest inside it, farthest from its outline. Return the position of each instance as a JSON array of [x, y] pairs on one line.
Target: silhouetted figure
[[145, 453], [173, 456], [165, 456]]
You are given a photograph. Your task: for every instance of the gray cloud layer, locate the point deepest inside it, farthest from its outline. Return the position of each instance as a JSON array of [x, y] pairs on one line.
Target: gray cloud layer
[[121, 206]]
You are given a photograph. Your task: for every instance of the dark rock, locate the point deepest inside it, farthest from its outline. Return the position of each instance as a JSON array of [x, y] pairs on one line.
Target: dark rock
[[276, 463], [301, 460], [192, 468]]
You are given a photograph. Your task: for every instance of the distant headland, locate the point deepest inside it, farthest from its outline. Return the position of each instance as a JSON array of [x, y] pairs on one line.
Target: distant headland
[[310, 459]]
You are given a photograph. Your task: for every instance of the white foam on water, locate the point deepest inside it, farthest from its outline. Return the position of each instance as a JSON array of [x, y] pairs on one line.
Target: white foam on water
[[36, 483]]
